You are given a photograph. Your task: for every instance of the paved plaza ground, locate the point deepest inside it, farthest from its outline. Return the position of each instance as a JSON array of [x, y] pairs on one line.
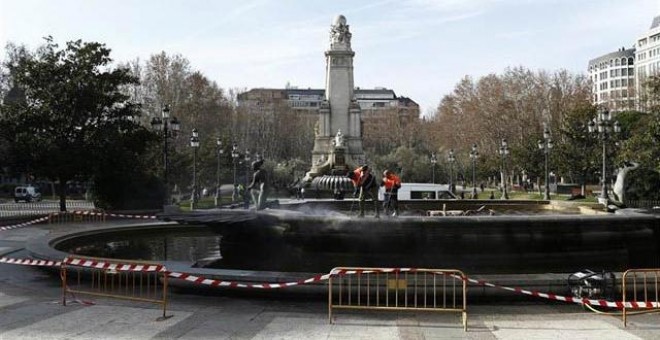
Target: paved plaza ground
[[30, 309]]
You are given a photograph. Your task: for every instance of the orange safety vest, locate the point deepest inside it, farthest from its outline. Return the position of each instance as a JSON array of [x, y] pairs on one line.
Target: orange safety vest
[[392, 181], [357, 173], [363, 178]]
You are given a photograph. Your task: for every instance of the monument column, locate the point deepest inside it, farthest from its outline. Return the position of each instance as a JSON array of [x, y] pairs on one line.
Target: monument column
[[339, 113]]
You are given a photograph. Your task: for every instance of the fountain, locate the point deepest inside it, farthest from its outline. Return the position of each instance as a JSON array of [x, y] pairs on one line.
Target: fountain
[[314, 236], [295, 242]]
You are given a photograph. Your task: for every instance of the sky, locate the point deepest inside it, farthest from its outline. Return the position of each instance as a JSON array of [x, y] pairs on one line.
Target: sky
[[418, 48]]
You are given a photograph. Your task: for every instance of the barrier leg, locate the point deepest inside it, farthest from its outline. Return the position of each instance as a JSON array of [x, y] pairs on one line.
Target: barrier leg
[[330, 299], [63, 278]]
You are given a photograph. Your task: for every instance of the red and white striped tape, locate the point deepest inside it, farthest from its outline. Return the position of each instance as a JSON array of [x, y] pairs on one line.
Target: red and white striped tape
[[77, 212], [31, 262], [318, 278], [570, 299], [231, 284], [81, 262], [24, 224], [143, 217], [95, 213]]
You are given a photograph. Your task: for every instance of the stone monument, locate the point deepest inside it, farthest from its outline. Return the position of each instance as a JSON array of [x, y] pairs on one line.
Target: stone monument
[[338, 134]]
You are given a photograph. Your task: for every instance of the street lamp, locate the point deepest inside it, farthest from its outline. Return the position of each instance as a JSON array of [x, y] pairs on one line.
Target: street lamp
[[246, 199], [504, 151], [451, 160], [434, 160], [603, 126], [474, 154], [221, 151], [545, 145], [194, 144], [168, 128], [234, 157]]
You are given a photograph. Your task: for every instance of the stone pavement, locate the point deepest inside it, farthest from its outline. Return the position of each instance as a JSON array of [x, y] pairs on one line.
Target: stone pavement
[[30, 309]]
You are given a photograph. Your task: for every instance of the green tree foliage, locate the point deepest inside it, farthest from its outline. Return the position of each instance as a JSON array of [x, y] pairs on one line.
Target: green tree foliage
[[641, 139], [576, 152], [71, 122]]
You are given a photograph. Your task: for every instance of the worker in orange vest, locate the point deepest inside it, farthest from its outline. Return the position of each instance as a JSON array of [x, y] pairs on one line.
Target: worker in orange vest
[[392, 183], [365, 183]]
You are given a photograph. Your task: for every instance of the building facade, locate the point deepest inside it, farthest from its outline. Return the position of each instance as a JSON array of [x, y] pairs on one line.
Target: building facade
[[613, 80], [647, 58], [371, 101], [619, 78]]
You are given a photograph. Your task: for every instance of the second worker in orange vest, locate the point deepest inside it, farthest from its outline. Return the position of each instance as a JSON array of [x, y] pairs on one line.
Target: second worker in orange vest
[[392, 183]]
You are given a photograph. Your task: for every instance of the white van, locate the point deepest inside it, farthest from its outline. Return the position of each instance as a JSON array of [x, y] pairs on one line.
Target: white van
[[27, 194], [420, 191]]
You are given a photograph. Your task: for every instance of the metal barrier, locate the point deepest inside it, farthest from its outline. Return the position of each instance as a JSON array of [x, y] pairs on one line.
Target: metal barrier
[[435, 290], [128, 280], [643, 285], [78, 216], [11, 209]]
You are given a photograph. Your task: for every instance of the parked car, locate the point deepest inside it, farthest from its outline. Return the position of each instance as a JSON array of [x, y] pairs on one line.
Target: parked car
[[27, 194]]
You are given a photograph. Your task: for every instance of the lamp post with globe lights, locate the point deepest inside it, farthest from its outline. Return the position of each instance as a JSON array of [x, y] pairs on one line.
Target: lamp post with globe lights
[[221, 152], [474, 154], [451, 159], [504, 151], [545, 145], [194, 144], [434, 161], [234, 156], [246, 198], [604, 127], [167, 128]]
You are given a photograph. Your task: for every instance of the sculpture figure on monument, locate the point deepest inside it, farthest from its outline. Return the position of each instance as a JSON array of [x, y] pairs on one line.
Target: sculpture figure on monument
[[339, 139], [339, 32]]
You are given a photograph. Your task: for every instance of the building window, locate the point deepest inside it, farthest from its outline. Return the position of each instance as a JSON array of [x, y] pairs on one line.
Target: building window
[[624, 82], [630, 61]]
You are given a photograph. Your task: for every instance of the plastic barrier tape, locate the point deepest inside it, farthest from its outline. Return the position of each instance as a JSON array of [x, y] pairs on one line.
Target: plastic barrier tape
[[78, 212], [318, 278]]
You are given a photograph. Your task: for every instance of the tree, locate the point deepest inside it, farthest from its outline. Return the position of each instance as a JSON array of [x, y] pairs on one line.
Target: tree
[[576, 148], [513, 105], [641, 140], [72, 120]]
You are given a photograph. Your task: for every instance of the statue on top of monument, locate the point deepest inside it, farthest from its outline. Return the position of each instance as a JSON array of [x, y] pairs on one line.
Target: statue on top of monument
[[339, 32]]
